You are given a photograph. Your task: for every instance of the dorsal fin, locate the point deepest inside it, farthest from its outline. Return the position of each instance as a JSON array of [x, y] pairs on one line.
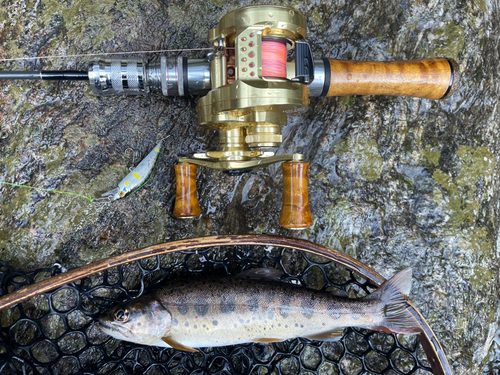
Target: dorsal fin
[[177, 345]]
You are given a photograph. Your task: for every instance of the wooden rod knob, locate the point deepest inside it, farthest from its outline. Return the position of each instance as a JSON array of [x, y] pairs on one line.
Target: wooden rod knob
[[295, 213], [427, 78], [186, 200]]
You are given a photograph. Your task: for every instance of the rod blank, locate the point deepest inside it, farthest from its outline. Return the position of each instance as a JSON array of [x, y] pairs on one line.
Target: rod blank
[[46, 75]]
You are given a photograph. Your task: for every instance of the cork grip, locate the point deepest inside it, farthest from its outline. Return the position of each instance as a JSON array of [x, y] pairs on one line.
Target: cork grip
[[427, 78], [186, 200], [295, 213]]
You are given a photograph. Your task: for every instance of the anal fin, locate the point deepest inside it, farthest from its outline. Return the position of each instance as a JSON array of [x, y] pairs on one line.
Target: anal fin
[[177, 345], [333, 335], [265, 340]]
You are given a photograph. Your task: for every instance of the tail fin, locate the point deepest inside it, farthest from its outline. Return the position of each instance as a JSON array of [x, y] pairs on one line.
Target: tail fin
[[394, 307]]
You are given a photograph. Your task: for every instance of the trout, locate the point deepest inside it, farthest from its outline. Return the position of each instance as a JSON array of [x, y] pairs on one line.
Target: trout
[[254, 307]]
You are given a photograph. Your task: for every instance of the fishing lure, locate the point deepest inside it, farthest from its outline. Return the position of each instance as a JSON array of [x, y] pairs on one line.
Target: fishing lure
[[137, 176]]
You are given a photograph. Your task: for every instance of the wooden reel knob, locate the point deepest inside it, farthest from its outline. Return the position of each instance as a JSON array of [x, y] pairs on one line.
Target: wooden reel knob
[[186, 200], [295, 213]]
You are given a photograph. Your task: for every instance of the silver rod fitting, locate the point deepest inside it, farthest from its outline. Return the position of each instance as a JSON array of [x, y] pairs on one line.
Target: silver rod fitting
[[172, 76]]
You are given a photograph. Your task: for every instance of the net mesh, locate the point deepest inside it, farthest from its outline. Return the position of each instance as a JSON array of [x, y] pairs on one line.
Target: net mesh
[[57, 332]]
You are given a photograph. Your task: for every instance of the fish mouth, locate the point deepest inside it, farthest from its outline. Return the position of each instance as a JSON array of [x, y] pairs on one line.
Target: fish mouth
[[116, 331]]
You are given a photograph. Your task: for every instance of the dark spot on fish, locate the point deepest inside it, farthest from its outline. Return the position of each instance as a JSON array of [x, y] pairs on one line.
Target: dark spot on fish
[[334, 314], [204, 325], [201, 305], [279, 324], [285, 305], [227, 305], [139, 324], [186, 324], [182, 305], [253, 303], [254, 318], [195, 326], [307, 308], [270, 315], [242, 321], [175, 322], [296, 324], [215, 322], [301, 326], [286, 325], [356, 316]]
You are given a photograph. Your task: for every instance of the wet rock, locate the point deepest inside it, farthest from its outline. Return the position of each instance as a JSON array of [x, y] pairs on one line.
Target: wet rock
[[311, 357], [394, 182]]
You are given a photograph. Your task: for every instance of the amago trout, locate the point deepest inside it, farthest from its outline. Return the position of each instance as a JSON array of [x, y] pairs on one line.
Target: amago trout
[[232, 310]]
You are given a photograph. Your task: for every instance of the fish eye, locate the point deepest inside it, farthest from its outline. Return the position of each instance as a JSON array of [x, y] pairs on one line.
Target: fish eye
[[122, 315], [121, 193]]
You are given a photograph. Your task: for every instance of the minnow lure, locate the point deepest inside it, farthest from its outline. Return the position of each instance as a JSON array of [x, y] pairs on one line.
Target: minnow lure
[[233, 310], [137, 176]]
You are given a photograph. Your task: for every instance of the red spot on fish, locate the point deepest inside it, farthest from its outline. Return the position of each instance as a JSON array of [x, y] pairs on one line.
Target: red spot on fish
[[196, 317]]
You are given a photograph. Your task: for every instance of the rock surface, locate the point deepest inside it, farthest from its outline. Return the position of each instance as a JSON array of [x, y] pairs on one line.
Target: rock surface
[[394, 182]]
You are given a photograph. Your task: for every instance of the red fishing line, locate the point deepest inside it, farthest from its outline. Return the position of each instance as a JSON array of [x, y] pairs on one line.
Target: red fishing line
[[274, 58]]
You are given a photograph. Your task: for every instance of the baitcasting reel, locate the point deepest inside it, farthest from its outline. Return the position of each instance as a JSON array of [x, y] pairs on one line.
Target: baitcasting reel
[[260, 70]]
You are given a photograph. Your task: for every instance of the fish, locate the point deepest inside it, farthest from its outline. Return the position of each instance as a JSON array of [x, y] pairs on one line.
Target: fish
[[254, 307], [137, 176]]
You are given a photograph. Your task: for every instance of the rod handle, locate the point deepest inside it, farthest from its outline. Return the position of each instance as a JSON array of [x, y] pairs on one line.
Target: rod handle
[[436, 78], [186, 200], [295, 213]]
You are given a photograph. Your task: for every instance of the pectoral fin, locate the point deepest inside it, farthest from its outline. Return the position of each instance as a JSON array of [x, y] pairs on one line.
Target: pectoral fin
[[178, 346], [268, 340], [333, 335]]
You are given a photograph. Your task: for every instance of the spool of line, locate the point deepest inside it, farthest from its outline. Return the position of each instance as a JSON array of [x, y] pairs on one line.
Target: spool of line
[[274, 54]]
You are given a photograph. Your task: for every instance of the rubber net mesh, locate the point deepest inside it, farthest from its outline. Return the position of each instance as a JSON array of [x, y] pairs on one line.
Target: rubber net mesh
[[57, 332]]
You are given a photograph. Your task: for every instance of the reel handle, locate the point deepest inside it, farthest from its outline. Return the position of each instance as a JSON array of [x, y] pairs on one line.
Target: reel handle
[[186, 200], [427, 78], [295, 213]]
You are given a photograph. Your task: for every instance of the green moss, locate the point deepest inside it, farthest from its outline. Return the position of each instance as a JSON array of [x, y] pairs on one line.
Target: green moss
[[450, 41], [53, 158], [92, 141], [85, 15], [478, 162], [481, 277], [461, 203], [337, 217], [341, 147], [366, 232], [73, 134], [432, 156], [316, 16], [346, 100], [370, 162], [481, 4]]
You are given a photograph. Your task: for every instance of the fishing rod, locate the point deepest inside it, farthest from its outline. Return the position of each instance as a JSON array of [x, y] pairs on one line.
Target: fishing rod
[[259, 70]]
